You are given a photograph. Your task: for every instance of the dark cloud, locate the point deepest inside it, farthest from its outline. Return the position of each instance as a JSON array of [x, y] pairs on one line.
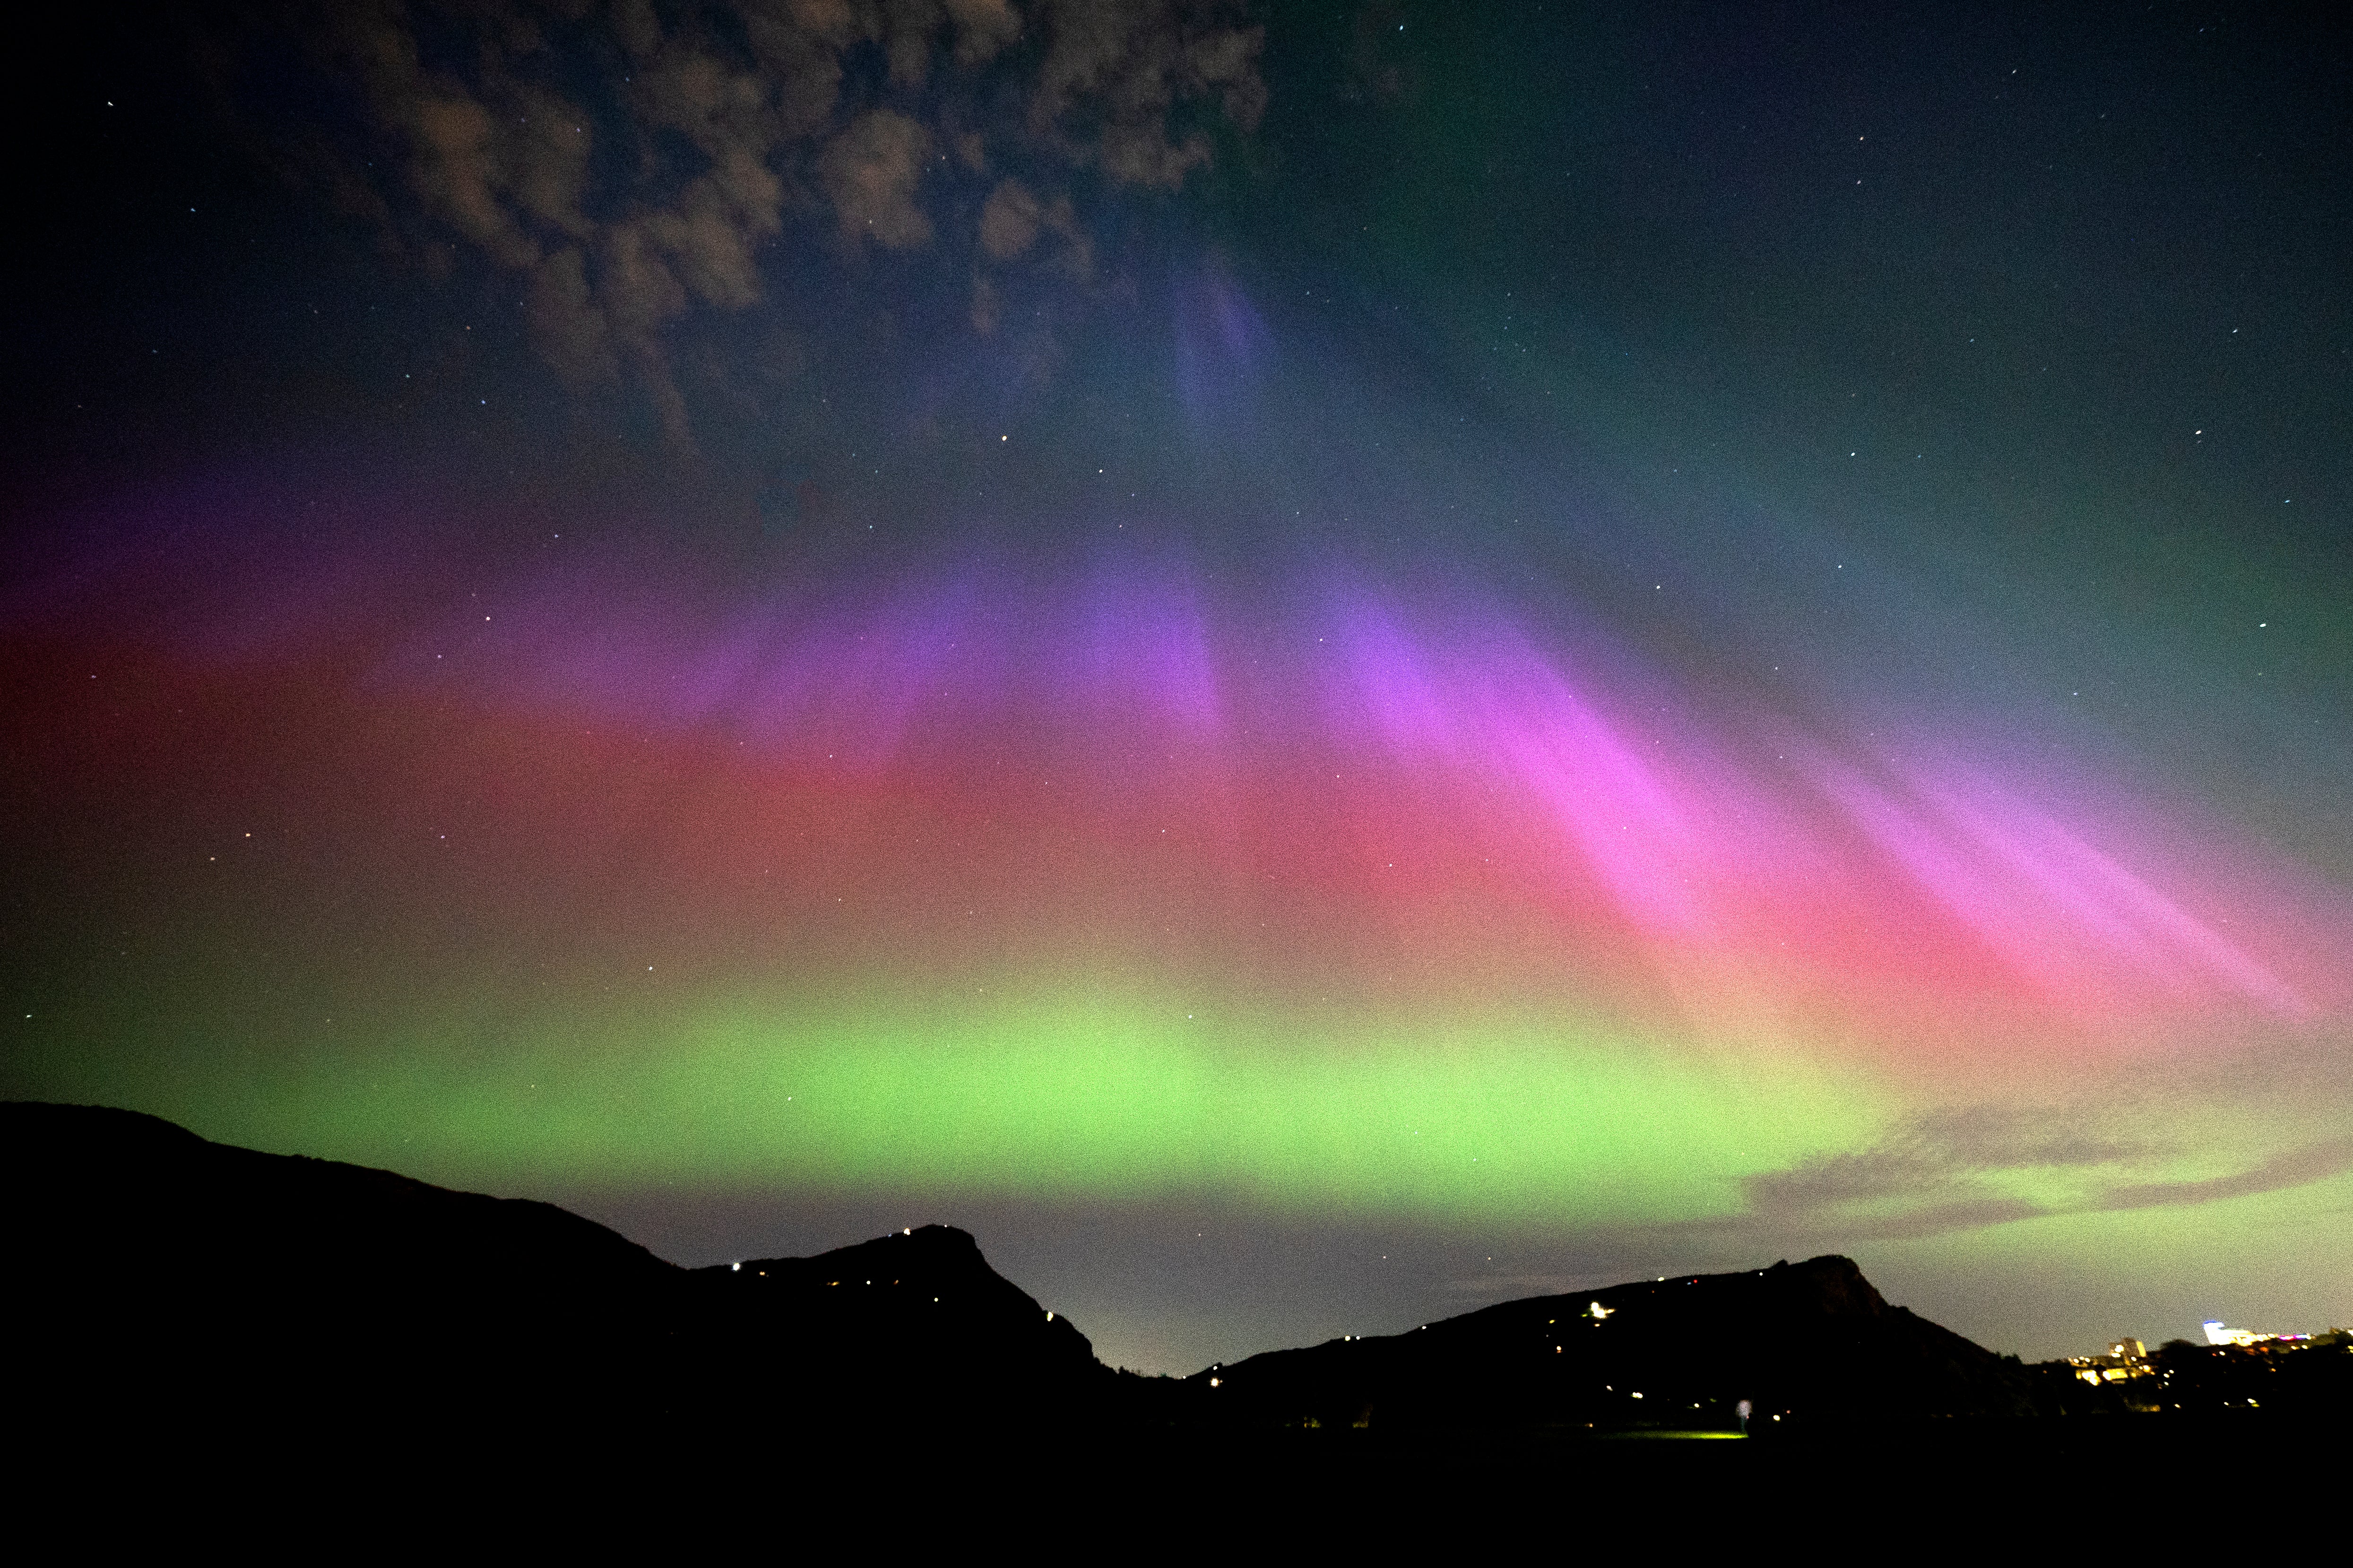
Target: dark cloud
[[870, 172], [2314, 1163], [637, 163], [569, 328], [1932, 1155], [1931, 1176], [1009, 221], [1114, 72], [1013, 219], [1508, 1286], [983, 27]]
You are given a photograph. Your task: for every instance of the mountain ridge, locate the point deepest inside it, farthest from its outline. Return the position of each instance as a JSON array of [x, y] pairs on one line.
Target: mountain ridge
[[1811, 1340], [173, 1270]]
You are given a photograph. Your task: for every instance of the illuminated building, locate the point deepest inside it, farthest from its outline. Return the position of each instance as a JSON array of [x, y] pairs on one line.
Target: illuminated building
[[2216, 1334], [2126, 1358]]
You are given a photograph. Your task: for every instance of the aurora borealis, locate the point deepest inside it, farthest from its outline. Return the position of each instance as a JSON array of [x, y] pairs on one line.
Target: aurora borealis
[[1357, 769]]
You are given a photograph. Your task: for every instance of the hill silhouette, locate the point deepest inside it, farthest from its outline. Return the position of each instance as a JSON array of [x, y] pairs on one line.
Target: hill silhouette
[[912, 1331], [1810, 1341], [160, 1276], [160, 1273]]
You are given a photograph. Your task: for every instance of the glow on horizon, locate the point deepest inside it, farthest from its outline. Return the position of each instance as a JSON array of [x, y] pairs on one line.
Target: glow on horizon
[[1072, 1093], [1469, 918]]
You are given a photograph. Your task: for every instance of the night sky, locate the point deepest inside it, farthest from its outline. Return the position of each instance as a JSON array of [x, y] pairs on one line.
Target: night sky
[[1311, 665]]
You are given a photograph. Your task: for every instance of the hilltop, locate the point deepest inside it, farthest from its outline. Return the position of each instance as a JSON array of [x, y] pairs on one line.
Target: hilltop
[[158, 1272], [1811, 1342]]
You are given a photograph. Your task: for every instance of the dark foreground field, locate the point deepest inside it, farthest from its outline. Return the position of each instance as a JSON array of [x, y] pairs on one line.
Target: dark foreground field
[[2008, 1486]]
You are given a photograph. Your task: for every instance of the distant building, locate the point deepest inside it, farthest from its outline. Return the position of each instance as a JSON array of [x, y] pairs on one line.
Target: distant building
[[2126, 1358], [2216, 1334]]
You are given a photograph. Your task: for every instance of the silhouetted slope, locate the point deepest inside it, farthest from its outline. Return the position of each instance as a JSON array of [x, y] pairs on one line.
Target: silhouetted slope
[[913, 1328], [164, 1278], [106, 1192], [1810, 1341], [155, 1276], [154, 1272]]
